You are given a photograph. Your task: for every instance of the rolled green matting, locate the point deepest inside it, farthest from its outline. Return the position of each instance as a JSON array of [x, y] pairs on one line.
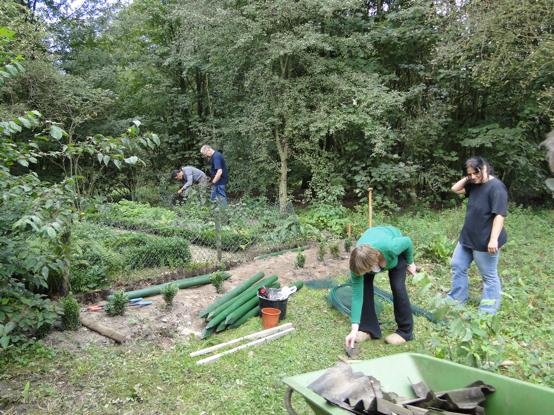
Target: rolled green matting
[[183, 283]]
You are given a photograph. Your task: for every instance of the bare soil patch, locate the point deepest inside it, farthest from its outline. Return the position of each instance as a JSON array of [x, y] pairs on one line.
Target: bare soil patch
[[157, 324]]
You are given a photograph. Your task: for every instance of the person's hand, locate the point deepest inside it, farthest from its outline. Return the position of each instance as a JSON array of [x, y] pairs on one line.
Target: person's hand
[[180, 191], [493, 246], [412, 269], [350, 340]]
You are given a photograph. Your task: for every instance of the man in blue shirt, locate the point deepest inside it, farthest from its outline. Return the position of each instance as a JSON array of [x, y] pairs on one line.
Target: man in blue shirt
[[218, 171], [188, 176]]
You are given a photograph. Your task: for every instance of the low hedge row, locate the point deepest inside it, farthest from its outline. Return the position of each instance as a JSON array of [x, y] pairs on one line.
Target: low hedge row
[[198, 234], [100, 253]]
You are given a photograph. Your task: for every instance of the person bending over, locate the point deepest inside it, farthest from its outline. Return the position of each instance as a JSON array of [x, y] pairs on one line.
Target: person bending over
[[188, 176], [379, 249]]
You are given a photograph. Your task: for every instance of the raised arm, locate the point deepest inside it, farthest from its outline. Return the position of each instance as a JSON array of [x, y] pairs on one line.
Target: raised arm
[[459, 186]]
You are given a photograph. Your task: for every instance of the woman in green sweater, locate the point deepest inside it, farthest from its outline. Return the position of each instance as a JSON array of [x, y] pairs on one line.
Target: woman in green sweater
[[380, 248]]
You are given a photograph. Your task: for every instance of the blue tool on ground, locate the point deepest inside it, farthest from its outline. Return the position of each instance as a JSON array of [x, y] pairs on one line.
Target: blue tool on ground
[[140, 304]]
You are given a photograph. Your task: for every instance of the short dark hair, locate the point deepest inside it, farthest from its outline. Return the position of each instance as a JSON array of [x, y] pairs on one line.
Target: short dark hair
[[174, 174]]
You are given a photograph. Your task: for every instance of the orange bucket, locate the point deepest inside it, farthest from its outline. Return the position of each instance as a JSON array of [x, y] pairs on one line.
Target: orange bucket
[[270, 317]]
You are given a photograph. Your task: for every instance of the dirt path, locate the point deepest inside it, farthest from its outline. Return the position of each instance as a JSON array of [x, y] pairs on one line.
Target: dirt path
[[156, 323]]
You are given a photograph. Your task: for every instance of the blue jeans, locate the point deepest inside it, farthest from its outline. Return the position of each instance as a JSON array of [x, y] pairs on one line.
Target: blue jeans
[[218, 194], [487, 264]]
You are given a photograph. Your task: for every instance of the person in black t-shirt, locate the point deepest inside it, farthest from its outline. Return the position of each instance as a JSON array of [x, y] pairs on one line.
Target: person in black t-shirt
[[482, 235]]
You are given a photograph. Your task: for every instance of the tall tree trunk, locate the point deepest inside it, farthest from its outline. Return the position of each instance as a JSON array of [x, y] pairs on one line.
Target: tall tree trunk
[[283, 148]]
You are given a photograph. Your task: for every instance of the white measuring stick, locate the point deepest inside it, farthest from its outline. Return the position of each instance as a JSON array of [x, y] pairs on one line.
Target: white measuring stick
[[255, 335], [266, 339]]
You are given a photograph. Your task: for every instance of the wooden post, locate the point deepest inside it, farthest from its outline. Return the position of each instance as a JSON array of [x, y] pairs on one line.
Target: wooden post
[[349, 230], [370, 206]]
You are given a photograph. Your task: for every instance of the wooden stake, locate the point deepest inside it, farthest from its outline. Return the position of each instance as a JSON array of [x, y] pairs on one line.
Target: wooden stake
[[266, 339], [370, 206], [349, 230], [255, 335]]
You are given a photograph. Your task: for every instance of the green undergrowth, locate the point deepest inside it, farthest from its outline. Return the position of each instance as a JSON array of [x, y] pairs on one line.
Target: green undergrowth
[[101, 254], [143, 377]]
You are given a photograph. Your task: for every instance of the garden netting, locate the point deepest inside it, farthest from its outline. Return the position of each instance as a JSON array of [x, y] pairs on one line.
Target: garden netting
[[130, 237]]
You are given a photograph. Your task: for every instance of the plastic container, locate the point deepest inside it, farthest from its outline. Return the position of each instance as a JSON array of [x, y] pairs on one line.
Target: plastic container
[[279, 304], [270, 317]]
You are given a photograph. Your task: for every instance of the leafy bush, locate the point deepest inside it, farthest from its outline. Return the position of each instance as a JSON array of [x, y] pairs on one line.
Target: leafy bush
[[321, 249], [334, 250], [169, 291], [440, 249], [217, 279], [347, 245], [330, 218], [70, 317], [117, 304], [24, 315], [300, 260]]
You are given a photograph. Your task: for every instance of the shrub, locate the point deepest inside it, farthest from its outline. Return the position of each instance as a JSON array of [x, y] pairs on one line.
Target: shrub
[[24, 315], [217, 279], [117, 304], [347, 245], [70, 317], [334, 250], [321, 249], [300, 260], [169, 291], [330, 218]]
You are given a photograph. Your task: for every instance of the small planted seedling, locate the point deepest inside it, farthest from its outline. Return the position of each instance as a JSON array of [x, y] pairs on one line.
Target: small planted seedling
[[70, 318], [334, 250], [169, 291], [300, 260], [321, 249], [347, 245], [117, 304], [217, 279]]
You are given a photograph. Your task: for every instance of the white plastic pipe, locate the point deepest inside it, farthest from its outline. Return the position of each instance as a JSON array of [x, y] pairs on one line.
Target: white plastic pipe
[[266, 339]]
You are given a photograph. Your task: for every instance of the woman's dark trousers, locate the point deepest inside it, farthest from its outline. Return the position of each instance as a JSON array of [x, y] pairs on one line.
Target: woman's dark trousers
[[402, 307]]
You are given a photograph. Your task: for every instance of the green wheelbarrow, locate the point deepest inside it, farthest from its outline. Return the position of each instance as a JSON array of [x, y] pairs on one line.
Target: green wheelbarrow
[[512, 397]]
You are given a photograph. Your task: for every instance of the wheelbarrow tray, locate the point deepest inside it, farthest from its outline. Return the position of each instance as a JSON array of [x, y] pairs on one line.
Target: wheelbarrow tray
[[396, 372]]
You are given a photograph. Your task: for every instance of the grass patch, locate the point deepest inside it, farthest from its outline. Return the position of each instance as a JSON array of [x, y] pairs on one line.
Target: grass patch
[[144, 378]]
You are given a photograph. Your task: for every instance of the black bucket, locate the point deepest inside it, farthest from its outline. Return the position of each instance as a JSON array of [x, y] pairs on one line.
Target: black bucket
[[280, 304]]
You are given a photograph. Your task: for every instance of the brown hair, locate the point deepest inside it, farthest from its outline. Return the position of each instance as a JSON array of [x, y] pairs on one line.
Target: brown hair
[[363, 258]]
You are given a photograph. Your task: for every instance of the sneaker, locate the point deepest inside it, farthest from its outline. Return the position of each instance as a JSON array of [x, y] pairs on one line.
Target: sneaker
[[362, 336], [395, 339]]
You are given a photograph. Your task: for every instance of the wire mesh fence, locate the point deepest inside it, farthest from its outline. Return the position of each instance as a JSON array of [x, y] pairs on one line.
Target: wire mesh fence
[[131, 241]]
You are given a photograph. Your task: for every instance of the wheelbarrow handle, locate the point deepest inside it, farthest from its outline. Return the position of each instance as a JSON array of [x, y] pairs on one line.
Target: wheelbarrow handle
[[288, 403]]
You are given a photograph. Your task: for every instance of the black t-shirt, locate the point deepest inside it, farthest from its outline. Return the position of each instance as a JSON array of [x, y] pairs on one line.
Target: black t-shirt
[[486, 200]]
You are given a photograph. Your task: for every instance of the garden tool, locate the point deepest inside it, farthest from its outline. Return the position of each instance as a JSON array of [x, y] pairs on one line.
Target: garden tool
[[140, 304]]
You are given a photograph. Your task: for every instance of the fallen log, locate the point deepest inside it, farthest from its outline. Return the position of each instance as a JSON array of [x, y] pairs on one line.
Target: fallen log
[[101, 329]]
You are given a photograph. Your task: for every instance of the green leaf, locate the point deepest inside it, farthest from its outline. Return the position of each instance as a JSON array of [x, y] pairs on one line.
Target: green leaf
[[4, 341], [23, 162], [11, 69], [26, 123], [137, 123], [51, 232], [56, 132], [106, 159], [131, 160], [117, 163]]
